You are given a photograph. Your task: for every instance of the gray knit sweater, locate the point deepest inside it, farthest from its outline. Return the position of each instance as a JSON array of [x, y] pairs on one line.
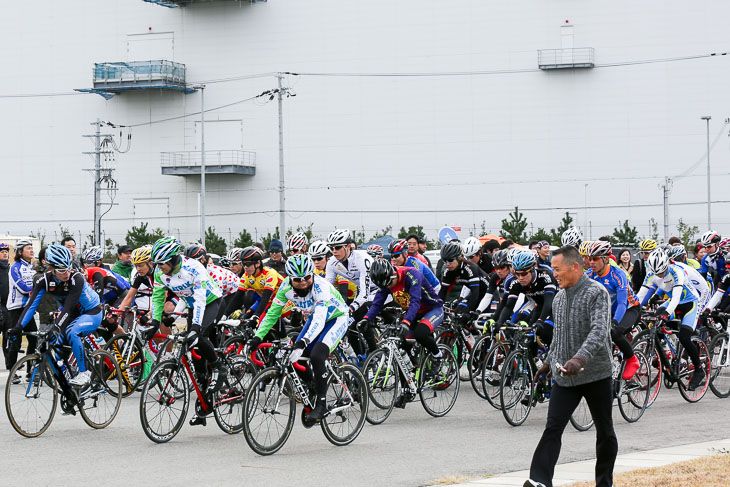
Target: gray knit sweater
[[582, 315]]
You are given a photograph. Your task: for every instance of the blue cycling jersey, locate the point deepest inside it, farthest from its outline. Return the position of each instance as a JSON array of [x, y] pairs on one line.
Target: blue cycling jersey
[[715, 263], [75, 296], [431, 278], [617, 284]]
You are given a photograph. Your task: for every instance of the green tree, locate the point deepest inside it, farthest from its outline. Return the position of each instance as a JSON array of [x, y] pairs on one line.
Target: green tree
[[382, 233], [653, 230], [542, 234], [214, 243], [565, 223], [687, 234], [305, 230], [139, 236], [514, 228], [625, 234], [243, 240], [40, 235], [269, 237], [417, 230]]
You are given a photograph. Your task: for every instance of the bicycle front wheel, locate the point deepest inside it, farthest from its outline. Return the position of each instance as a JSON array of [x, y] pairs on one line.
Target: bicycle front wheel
[[476, 359], [438, 387], [269, 411], [31, 407], [581, 418], [130, 356], [720, 357], [99, 403], [685, 370], [382, 378], [228, 401], [633, 394], [642, 343], [164, 402], [491, 374], [517, 389], [347, 404]]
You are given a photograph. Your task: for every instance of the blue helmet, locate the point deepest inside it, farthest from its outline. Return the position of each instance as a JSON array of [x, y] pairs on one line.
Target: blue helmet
[[523, 260], [59, 257], [299, 265]]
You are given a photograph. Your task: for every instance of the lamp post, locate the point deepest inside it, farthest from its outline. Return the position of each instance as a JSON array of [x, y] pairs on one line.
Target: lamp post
[[709, 211]]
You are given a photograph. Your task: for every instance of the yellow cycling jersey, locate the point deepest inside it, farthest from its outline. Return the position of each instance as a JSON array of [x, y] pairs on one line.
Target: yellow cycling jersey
[[351, 286], [268, 279]]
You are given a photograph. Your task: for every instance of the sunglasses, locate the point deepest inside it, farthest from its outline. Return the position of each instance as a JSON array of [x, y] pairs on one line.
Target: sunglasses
[[62, 270], [338, 247], [317, 259], [450, 261], [301, 279], [522, 273], [248, 263], [275, 251]]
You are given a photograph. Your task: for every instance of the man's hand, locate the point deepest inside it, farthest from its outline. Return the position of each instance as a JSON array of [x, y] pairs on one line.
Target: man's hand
[[236, 314], [573, 366], [254, 343], [298, 351], [544, 331], [662, 314]]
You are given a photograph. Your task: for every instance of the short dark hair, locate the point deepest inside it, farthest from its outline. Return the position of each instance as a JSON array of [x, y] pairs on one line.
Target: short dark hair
[[67, 238], [490, 246], [570, 254], [506, 244], [531, 243], [413, 235], [259, 245], [674, 240], [605, 238]]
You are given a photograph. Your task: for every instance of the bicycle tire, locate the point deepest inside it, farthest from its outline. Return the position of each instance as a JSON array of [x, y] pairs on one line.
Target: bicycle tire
[[268, 386], [453, 340], [492, 374], [720, 382], [383, 379], [228, 401], [166, 386], [682, 369], [641, 344], [581, 418], [341, 428], [636, 390], [438, 390], [476, 359], [99, 403], [42, 378], [517, 385], [132, 370]]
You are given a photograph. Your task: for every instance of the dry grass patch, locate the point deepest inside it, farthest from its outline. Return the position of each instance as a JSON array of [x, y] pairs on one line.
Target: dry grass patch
[[455, 479], [711, 471]]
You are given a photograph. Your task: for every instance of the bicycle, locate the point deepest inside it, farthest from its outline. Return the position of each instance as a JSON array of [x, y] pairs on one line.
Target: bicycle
[[129, 350], [720, 356], [490, 375], [274, 392], [165, 398], [31, 407], [462, 337], [390, 364]]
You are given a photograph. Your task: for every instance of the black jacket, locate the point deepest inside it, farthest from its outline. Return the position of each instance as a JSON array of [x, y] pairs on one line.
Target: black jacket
[[4, 285]]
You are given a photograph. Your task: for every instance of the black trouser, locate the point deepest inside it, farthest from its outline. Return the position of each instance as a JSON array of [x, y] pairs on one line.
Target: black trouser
[[206, 334], [107, 328], [563, 401], [368, 333], [11, 356], [618, 332]]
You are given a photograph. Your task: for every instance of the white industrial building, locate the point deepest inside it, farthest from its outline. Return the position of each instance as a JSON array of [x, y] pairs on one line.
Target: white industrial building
[[406, 112]]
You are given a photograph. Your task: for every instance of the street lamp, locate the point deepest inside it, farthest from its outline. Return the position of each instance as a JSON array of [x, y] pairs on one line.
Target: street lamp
[[709, 212], [202, 162]]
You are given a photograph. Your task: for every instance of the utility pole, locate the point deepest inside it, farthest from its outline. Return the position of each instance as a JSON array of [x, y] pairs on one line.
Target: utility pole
[[709, 212], [282, 199], [665, 191], [98, 151], [202, 164], [585, 208]]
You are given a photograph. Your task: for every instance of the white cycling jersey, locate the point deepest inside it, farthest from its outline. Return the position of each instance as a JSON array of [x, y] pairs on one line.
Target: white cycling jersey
[[698, 282], [21, 284], [227, 280], [191, 282], [356, 269]]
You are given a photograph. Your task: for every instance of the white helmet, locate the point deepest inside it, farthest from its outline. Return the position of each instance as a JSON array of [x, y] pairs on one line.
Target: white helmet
[[710, 237], [234, 255], [572, 237], [658, 261], [297, 241], [471, 247], [318, 247], [339, 237]]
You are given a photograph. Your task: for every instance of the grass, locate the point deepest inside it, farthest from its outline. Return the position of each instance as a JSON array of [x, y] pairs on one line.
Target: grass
[[454, 479], [710, 471]]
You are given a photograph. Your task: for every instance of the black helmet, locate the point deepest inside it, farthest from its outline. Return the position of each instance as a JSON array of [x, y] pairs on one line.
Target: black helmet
[[252, 253], [451, 251], [499, 258], [195, 251], [381, 272]]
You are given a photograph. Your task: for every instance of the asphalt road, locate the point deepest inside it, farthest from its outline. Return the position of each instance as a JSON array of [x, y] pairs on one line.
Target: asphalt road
[[409, 449]]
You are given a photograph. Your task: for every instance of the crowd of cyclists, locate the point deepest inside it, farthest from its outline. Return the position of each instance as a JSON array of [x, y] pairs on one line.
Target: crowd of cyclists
[[327, 298]]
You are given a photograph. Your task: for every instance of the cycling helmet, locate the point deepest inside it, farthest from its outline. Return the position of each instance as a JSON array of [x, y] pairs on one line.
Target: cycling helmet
[[499, 258], [299, 265], [709, 238], [142, 254], [4, 246], [59, 257], [397, 247], [20, 244], [658, 261], [472, 246], [195, 251], [340, 236], [599, 248], [725, 244], [252, 253], [583, 247], [572, 237], [511, 253], [297, 241], [234, 255], [451, 250], [523, 261], [92, 255], [375, 251], [678, 251], [165, 249], [318, 247], [647, 245], [381, 272]]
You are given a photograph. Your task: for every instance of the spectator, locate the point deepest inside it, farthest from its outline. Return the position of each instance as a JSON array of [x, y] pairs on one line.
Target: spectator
[[413, 240], [624, 261], [69, 242], [674, 241], [489, 247], [582, 344], [532, 245], [259, 245], [4, 286], [123, 265], [422, 247], [276, 259], [507, 244], [699, 252], [20, 285], [543, 252]]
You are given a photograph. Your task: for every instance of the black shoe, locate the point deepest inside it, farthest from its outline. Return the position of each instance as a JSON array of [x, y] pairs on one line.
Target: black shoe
[[16, 379], [196, 420], [217, 378], [319, 412], [532, 483], [698, 377], [434, 369]]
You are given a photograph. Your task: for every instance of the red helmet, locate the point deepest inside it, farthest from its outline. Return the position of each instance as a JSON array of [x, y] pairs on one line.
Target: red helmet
[[397, 247]]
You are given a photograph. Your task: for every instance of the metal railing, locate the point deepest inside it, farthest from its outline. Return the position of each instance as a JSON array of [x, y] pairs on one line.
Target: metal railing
[[579, 57], [239, 158], [139, 71]]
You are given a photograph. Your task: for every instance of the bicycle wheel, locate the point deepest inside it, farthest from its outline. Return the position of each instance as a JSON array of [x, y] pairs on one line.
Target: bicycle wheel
[[685, 370], [633, 394], [476, 359], [269, 411], [164, 402], [438, 388], [131, 358], [517, 390], [31, 407], [347, 403], [234, 346], [453, 340], [492, 374], [641, 343], [720, 357], [99, 402], [581, 418], [382, 377], [228, 401]]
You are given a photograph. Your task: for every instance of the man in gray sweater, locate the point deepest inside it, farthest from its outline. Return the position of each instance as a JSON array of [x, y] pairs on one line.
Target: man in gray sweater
[[581, 363]]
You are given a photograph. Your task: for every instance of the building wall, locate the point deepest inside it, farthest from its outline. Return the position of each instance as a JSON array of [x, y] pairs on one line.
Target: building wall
[[371, 151]]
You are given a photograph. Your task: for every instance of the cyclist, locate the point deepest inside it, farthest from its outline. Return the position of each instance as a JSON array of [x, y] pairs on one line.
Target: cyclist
[[297, 243], [624, 305], [190, 281], [638, 275], [375, 251], [701, 286], [399, 256], [583, 251], [539, 288], [276, 259], [326, 316], [572, 237], [473, 250], [80, 306], [233, 257], [668, 279], [458, 271], [411, 291], [496, 281], [227, 281], [320, 252], [91, 257], [714, 262], [20, 287], [111, 289]]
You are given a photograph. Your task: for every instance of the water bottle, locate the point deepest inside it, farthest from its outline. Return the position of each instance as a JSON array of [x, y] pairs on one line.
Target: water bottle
[[63, 369], [349, 352], [408, 363], [470, 340]]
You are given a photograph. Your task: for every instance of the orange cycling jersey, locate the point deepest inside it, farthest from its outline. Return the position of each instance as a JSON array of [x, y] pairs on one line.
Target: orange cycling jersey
[[268, 279]]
